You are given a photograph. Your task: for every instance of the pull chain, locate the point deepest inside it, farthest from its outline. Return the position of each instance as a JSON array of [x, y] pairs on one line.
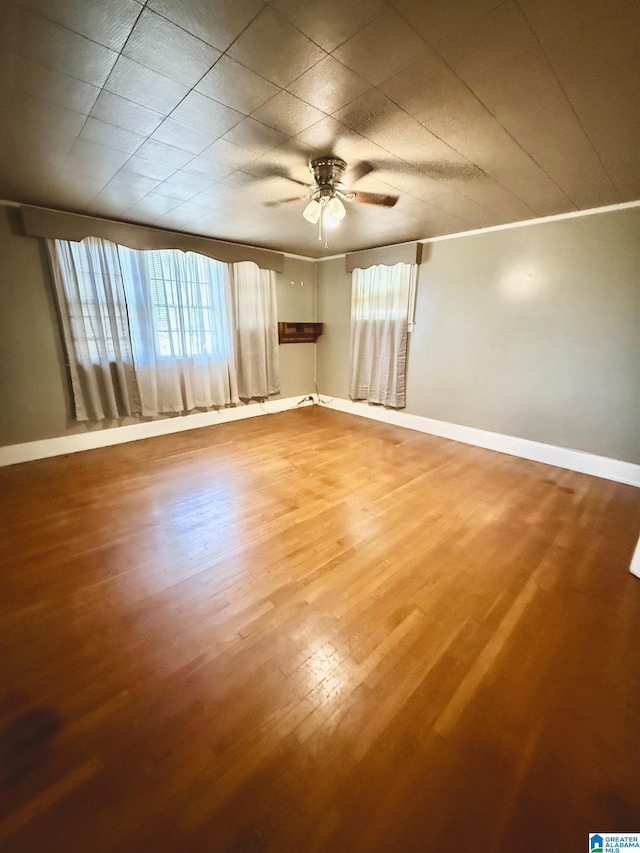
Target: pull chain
[[321, 224]]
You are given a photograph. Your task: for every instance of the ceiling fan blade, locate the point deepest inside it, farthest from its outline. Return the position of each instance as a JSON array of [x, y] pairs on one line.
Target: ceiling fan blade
[[374, 198], [439, 170], [264, 170], [296, 181], [442, 170], [285, 201], [349, 178]]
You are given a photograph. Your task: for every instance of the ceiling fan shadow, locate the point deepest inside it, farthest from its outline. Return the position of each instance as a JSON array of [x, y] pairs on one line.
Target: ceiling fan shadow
[[439, 170], [264, 171]]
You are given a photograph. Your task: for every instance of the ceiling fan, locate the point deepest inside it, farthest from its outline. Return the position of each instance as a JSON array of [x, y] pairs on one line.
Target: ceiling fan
[[331, 188]]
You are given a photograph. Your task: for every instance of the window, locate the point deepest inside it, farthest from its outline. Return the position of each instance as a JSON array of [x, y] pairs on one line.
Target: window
[[94, 292], [381, 305], [187, 301], [163, 330]]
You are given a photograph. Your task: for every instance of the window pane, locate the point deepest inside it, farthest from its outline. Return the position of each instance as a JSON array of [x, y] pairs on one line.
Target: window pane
[[188, 299]]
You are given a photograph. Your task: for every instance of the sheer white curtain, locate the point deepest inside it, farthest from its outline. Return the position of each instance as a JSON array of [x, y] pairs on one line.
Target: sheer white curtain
[[380, 306], [89, 286], [256, 330], [181, 324], [163, 331]]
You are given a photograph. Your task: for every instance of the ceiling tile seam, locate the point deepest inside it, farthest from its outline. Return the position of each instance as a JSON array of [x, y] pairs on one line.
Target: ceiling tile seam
[[626, 5], [485, 14], [198, 82], [76, 33], [208, 44], [527, 153], [124, 168], [390, 7], [169, 115], [444, 181], [440, 181], [335, 59], [192, 89], [282, 88], [568, 99], [275, 127], [131, 172], [400, 69], [154, 190], [473, 94], [225, 52], [129, 101], [475, 201], [473, 20], [117, 54], [62, 74], [324, 50], [117, 127], [514, 140], [310, 68], [437, 206], [135, 24]]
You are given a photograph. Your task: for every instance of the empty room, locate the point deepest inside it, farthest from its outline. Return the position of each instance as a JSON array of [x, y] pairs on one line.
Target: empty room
[[319, 426]]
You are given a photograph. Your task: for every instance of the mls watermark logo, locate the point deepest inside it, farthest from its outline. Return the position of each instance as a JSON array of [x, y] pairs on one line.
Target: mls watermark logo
[[618, 842]]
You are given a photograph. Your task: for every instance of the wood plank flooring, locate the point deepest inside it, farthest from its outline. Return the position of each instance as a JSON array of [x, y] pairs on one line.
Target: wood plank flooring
[[313, 632]]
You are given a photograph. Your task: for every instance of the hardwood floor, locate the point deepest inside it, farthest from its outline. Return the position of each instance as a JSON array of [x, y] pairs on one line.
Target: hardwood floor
[[312, 632]]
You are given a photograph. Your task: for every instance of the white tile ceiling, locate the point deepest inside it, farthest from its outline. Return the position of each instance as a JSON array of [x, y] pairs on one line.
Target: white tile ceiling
[[193, 115]]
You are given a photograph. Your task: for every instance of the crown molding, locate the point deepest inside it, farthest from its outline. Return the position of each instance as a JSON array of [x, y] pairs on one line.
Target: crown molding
[[556, 217]]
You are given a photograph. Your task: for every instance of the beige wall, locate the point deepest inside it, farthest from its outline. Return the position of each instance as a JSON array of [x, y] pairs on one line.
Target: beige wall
[[34, 390], [532, 332], [334, 310], [296, 304]]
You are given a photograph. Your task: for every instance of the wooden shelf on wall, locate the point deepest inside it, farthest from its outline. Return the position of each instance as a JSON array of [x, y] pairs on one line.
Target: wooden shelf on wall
[[299, 333]]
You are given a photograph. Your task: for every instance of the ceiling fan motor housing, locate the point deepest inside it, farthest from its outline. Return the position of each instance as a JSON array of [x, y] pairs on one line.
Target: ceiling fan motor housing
[[327, 172]]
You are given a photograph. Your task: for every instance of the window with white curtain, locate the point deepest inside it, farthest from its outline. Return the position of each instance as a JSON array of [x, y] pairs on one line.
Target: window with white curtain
[[382, 300], [91, 298], [187, 299], [166, 320], [255, 323], [94, 292]]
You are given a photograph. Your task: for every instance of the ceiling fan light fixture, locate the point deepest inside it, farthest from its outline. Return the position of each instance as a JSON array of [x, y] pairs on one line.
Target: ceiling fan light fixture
[[336, 209], [312, 211]]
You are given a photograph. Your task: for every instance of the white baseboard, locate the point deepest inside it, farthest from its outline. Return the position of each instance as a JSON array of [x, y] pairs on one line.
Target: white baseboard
[[27, 452], [561, 457]]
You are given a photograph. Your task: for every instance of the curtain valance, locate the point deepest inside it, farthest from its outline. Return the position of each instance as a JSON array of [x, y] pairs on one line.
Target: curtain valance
[[388, 256], [57, 225]]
